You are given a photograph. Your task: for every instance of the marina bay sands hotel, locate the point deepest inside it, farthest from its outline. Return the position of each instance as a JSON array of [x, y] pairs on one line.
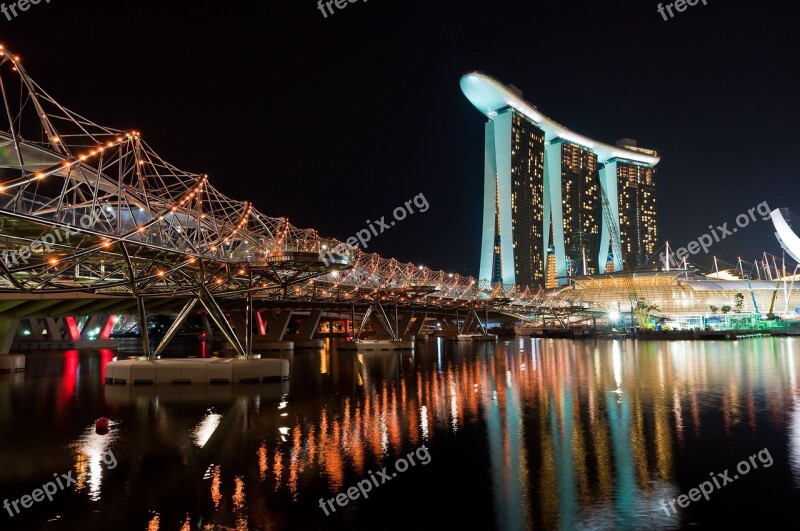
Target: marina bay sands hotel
[[556, 203]]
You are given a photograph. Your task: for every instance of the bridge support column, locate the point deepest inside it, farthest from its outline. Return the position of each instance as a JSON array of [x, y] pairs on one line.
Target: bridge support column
[[472, 323], [239, 323], [213, 309], [37, 329], [71, 325], [248, 322], [309, 327], [8, 330], [402, 324], [176, 325], [449, 327], [262, 325], [207, 325], [276, 330], [416, 328], [145, 333], [383, 326], [90, 323], [277, 325], [54, 328], [305, 336]]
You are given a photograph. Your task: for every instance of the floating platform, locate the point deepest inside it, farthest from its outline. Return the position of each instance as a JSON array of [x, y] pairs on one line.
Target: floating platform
[[196, 393], [376, 345], [470, 337], [12, 363], [205, 370]]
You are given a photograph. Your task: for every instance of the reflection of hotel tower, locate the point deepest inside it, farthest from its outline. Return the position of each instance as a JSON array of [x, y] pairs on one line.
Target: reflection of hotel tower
[[544, 188]]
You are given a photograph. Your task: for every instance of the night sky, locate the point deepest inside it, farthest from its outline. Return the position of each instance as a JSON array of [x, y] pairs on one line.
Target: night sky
[[332, 121]]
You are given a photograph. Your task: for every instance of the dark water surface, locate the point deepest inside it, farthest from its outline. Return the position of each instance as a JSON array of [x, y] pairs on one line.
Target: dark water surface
[[526, 434]]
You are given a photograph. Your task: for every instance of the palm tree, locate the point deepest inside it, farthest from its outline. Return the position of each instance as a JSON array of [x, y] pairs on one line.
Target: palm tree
[[643, 311], [738, 302]]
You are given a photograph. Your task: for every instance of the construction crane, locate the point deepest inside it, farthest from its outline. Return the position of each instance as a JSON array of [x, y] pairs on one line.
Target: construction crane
[[753, 295], [771, 315], [613, 230], [616, 250]]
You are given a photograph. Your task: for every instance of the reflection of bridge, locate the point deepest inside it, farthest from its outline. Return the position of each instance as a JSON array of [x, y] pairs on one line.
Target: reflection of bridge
[[93, 221]]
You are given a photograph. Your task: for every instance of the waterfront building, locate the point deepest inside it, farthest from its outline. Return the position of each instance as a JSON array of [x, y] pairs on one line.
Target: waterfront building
[[547, 187], [683, 298]]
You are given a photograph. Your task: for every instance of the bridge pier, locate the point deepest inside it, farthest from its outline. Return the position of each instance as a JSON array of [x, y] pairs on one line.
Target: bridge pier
[[173, 329], [402, 324], [474, 330], [415, 329], [55, 327], [8, 330], [305, 336], [143, 331], [215, 312], [449, 328], [386, 335], [472, 323], [276, 325]]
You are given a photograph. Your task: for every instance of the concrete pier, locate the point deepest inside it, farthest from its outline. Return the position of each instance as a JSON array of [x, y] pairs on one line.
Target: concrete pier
[[194, 393], [375, 345], [12, 363]]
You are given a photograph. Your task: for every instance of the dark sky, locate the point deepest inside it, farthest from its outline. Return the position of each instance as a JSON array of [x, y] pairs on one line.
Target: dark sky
[[334, 121]]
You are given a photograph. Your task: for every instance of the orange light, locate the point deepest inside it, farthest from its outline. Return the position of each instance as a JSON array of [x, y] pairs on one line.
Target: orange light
[[53, 261]]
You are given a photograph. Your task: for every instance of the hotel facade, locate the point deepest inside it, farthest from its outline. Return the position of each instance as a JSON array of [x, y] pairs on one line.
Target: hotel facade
[[558, 204]]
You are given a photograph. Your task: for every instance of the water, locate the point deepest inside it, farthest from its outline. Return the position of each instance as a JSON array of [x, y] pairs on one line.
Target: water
[[524, 434]]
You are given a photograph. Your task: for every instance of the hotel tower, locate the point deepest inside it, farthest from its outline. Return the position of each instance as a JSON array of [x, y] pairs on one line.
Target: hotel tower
[[556, 199]]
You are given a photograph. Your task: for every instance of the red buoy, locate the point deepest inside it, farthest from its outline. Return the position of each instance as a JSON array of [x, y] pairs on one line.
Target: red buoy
[[101, 423]]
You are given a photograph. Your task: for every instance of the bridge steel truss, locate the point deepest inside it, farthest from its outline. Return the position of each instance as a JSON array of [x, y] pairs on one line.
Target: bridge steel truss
[[90, 209]]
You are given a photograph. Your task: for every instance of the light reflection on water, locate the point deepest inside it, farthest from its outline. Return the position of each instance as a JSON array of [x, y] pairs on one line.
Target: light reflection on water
[[523, 434]]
